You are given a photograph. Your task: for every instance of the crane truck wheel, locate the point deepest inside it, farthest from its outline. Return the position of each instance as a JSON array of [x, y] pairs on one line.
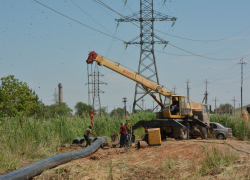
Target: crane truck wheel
[[180, 134], [204, 133]]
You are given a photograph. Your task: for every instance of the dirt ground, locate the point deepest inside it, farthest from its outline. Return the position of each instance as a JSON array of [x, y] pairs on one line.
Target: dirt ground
[[172, 160]]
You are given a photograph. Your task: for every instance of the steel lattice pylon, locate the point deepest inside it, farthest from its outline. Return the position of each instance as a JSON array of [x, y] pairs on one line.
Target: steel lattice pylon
[[147, 64], [96, 88]]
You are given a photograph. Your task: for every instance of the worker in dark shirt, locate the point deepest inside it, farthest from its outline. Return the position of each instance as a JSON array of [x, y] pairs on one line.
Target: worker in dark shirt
[[174, 105], [86, 135], [123, 133]]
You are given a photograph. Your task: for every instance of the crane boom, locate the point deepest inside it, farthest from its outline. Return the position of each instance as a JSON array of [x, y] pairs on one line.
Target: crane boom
[[146, 84]]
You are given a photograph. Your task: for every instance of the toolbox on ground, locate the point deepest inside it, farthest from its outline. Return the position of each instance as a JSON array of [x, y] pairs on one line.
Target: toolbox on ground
[[154, 136]]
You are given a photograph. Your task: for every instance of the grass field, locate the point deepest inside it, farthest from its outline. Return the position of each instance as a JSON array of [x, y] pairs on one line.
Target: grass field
[[34, 139], [29, 138]]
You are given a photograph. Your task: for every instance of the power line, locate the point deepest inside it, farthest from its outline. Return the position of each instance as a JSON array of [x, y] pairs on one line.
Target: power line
[[103, 9], [204, 40], [90, 16], [227, 47], [202, 55], [78, 21], [103, 4]]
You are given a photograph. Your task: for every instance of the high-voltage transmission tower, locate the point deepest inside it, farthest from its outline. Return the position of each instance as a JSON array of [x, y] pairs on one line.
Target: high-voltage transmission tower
[[95, 81], [147, 64]]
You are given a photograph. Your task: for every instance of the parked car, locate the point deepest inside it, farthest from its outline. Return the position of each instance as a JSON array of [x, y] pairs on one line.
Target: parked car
[[220, 132]]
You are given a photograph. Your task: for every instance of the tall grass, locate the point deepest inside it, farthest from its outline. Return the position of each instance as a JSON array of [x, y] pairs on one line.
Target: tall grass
[[31, 138], [216, 159], [240, 125]]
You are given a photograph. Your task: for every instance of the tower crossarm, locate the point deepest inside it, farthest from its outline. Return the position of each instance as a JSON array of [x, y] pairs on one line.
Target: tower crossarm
[[157, 16]]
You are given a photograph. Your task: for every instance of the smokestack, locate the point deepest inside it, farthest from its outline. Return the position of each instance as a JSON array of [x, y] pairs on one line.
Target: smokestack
[[60, 92]]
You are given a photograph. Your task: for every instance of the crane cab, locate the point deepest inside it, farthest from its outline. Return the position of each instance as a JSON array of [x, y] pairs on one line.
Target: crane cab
[[175, 107]]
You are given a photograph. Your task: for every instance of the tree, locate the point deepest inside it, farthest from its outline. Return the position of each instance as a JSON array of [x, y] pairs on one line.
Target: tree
[[225, 106], [119, 112], [59, 108], [15, 97], [81, 107]]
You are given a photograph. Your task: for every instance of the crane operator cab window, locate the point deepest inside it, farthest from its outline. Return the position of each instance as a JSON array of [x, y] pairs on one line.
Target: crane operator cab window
[[174, 107], [166, 103]]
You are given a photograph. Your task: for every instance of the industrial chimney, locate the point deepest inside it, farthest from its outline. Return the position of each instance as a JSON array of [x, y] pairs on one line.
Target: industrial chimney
[[60, 92]]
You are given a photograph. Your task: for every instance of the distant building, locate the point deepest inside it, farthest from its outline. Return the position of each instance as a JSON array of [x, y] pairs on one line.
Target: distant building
[[223, 111], [237, 112]]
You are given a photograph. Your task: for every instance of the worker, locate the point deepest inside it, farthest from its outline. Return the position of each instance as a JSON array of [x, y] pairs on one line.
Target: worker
[[123, 133], [91, 114], [174, 105], [86, 135], [129, 132]]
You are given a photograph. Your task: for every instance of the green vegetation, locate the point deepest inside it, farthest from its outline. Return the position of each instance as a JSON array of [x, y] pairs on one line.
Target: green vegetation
[[118, 112], [240, 125], [16, 97], [81, 107], [58, 109], [216, 159], [225, 106], [37, 138]]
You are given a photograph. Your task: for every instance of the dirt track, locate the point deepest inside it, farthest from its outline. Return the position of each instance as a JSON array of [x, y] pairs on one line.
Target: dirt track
[[172, 160]]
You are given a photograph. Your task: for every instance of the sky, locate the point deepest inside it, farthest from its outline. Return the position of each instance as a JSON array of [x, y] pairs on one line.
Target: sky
[[43, 48]]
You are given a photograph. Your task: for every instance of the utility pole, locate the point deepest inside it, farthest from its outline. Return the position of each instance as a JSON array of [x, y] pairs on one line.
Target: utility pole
[[96, 89], [153, 106], [241, 63], [147, 63], [188, 88], [234, 104], [174, 88], [215, 103], [206, 91], [143, 104], [205, 97], [125, 108]]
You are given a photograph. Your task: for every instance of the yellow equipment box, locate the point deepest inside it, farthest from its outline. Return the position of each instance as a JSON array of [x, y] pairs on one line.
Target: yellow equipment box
[[154, 136]]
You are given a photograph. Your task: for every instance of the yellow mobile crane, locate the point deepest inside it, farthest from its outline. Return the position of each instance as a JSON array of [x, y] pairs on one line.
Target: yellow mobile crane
[[186, 120]]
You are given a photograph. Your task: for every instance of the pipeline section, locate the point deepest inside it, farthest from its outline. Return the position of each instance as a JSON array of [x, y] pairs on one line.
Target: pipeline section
[[38, 167]]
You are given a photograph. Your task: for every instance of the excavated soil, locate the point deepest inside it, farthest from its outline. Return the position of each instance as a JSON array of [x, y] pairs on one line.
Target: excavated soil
[[172, 160]]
